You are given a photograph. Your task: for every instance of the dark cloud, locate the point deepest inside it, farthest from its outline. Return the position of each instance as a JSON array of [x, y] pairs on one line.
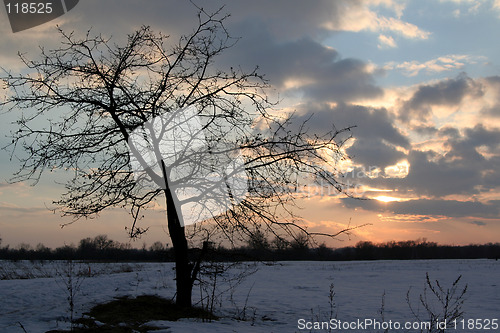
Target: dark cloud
[[282, 37], [113, 19], [449, 92], [449, 208], [480, 136], [174, 17], [493, 80], [284, 18], [494, 84], [374, 153], [463, 170], [370, 123], [478, 223], [425, 130], [376, 137], [118, 18], [434, 175], [479, 151], [344, 80], [279, 36], [302, 66], [448, 132], [293, 19]]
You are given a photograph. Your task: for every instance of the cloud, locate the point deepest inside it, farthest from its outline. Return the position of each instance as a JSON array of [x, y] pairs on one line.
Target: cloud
[[402, 28], [481, 136], [473, 5], [386, 42], [314, 19], [361, 16], [293, 19], [471, 2], [436, 176], [491, 106], [374, 153], [448, 208], [478, 223], [438, 65], [298, 60], [467, 168], [286, 19], [303, 66], [7, 206], [397, 6], [449, 92], [376, 137]]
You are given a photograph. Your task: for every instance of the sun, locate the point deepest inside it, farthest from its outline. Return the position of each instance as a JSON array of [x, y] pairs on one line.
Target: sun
[[385, 198]]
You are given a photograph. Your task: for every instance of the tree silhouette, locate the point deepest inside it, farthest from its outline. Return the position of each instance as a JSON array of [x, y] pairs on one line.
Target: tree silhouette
[[91, 94]]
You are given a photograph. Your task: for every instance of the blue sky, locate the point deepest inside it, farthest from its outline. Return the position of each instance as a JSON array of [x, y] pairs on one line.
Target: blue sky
[[468, 33], [420, 79]]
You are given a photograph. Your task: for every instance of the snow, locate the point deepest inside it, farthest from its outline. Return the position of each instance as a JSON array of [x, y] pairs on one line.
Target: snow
[[275, 297]]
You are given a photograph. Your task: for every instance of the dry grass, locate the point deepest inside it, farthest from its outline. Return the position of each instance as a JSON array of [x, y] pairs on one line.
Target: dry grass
[[130, 314]]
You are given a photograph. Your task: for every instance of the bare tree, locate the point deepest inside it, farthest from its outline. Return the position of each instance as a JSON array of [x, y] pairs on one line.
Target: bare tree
[[92, 94]]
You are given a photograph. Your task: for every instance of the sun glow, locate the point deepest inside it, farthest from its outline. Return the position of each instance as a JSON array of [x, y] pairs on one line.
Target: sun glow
[[385, 198]]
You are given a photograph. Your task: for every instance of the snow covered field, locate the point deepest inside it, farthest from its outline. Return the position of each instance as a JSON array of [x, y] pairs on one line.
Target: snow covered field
[[282, 297]]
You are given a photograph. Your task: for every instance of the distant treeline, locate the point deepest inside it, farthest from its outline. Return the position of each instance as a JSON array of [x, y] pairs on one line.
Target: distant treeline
[[105, 249]]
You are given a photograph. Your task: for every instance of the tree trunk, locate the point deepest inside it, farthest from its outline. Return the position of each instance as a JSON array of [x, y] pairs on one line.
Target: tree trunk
[[184, 282]]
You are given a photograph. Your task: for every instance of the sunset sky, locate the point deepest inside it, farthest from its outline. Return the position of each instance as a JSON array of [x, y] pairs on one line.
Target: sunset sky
[[420, 80]]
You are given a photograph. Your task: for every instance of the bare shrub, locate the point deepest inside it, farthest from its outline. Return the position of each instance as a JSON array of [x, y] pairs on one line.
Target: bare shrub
[[70, 277], [217, 279], [439, 304]]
